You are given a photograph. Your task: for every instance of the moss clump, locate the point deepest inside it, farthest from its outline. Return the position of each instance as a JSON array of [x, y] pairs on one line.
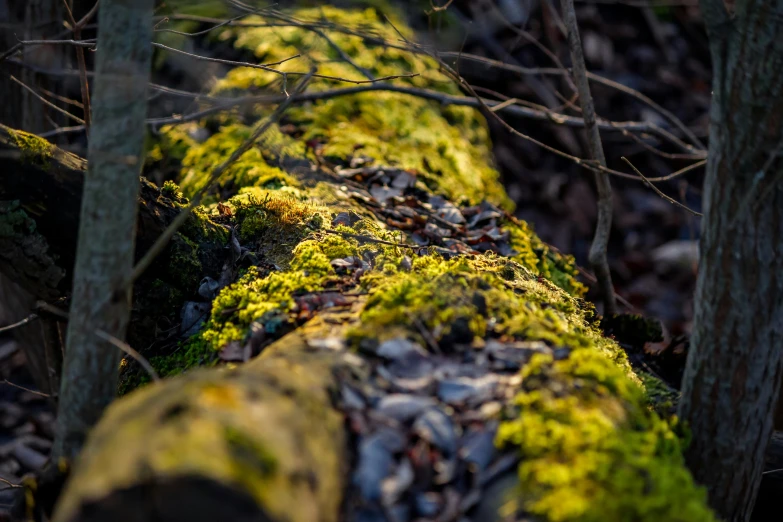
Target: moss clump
[[541, 259], [188, 354], [267, 300], [632, 329], [14, 221], [467, 297], [199, 227], [662, 398], [273, 222], [34, 150], [592, 450], [172, 191], [184, 265], [255, 168], [448, 146]]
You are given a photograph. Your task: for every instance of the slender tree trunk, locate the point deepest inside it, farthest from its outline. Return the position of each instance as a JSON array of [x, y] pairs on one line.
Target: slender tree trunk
[[603, 227], [108, 218], [734, 370]]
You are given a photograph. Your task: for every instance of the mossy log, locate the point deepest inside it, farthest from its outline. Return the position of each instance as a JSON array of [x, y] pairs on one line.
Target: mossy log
[[360, 226]]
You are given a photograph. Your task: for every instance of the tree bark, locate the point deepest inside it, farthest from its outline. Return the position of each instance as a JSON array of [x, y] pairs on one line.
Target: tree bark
[[104, 256], [734, 368]]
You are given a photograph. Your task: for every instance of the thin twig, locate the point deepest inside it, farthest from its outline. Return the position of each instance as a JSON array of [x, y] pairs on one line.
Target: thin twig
[[77, 35], [19, 324], [119, 343], [658, 191], [442, 98], [34, 392], [45, 101], [551, 71], [598, 250], [127, 349], [10, 484]]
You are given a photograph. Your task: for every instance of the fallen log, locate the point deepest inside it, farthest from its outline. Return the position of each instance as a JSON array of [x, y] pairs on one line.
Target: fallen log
[[391, 343]]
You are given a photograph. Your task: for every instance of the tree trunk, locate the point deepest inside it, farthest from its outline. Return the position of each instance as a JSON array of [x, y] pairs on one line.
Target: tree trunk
[[104, 257], [734, 369]]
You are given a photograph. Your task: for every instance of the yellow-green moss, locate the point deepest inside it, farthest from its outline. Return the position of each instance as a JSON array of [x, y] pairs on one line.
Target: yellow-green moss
[[172, 191], [448, 146], [34, 149], [542, 260], [592, 450], [250, 170], [188, 354], [184, 266], [269, 299], [476, 296]]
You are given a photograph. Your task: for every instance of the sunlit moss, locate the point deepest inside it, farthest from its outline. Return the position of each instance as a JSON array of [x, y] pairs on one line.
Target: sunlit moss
[[34, 149], [250, 170], [268, 299], [591, 446], [448, 146], [592, 450]]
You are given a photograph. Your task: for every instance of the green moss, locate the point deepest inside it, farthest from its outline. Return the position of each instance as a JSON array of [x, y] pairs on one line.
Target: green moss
[[592, 450], [448, 146], [662, 398], [255, 168], [542, 260], [162, 299], [34, 149], [199, 227], [248, 453], [469, 297], [184, 265], [189, 354], [14, 221], [172, 191]]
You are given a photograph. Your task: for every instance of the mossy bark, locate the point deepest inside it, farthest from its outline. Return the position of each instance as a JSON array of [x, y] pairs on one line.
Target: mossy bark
[[261, 442]]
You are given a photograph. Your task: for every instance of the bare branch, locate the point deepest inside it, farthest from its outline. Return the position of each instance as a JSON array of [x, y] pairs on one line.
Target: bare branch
[[598, 250], [551, 71], [658, 191], [19, 324], [45, 101], [77, 35]]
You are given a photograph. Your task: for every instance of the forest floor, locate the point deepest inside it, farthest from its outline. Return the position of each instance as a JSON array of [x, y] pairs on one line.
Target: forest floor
[[659, 51]]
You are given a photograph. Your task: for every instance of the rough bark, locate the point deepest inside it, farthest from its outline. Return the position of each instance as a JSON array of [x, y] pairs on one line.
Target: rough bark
[[104, 256], [734, 369]]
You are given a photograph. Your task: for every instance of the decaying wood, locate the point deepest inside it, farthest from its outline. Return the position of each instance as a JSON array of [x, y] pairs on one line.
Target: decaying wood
[[47, 193], [269, 427]]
